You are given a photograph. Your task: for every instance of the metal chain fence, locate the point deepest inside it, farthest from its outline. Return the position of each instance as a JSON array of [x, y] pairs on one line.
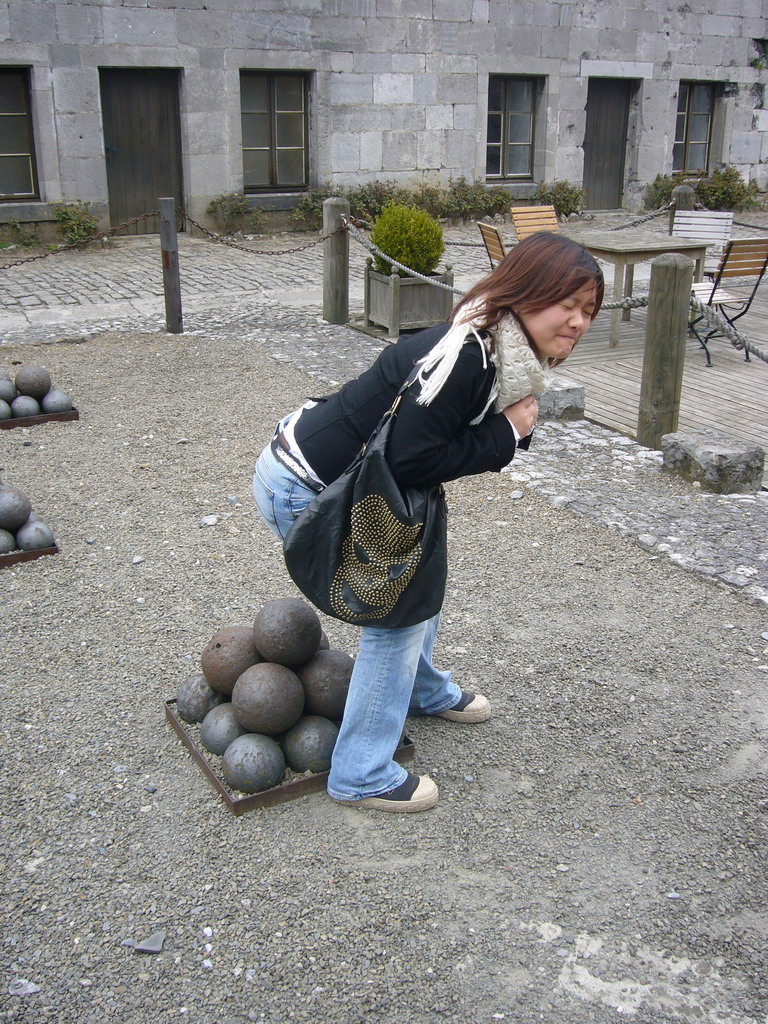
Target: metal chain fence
[[713, 319], [85, 242], [223, 240]]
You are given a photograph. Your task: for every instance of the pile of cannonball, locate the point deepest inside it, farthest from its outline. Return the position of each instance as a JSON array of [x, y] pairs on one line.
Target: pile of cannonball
[[30, 393], [270, 697], [20, 527]]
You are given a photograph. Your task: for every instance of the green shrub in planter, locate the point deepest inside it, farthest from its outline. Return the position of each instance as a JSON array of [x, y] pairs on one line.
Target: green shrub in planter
[[409, 236]]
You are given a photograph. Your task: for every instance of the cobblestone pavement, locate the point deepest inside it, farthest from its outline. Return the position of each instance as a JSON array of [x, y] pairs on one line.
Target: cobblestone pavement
[[276, 300]]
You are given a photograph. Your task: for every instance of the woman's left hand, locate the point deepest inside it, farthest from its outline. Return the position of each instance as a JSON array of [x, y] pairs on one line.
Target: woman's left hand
[[523, 415]]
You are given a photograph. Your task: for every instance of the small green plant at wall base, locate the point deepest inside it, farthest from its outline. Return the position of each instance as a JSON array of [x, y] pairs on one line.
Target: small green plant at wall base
[[725, 189], [309, 209], [232, 212], [24, 235], [459, 201], [367, 201], [409, 236], [76, 222], [658, 192], [566, 197]]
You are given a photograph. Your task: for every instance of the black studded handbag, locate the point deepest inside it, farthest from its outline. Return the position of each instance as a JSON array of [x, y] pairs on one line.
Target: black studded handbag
[[367, 550]]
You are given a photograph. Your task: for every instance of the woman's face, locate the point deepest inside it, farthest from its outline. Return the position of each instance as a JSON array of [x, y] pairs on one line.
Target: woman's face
[[556, 329]]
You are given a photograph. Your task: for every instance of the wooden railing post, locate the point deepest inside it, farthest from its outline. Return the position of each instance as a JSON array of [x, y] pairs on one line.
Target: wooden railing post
[[335, 262], [170, 251], [669, 301], [683, 196]]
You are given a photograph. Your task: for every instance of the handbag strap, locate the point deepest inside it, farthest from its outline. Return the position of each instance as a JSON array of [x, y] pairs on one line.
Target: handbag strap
[[393, 408]]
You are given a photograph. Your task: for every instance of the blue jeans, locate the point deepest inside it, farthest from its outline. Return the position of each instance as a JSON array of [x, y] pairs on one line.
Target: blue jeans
[[393, 674]]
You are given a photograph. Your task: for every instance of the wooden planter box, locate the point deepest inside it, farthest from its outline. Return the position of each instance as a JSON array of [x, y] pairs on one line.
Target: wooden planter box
[[405, 303]]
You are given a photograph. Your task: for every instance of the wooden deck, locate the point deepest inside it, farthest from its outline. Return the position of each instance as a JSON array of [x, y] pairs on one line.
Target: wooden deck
[[731, 396]]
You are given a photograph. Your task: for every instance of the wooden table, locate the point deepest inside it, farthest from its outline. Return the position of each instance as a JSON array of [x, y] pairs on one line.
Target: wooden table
[[626, 249]]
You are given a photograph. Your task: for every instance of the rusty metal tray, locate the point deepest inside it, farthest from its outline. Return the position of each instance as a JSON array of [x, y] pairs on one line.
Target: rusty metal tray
[[44, 417], [26, 556], [269, 797]]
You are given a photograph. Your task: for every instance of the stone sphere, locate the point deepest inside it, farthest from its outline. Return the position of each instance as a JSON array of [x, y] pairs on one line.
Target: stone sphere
[[55, 401], [326, 681], [287, 631], [325, 643], [309, 744], [268, 698], [7, 389], [5, 410], [33, 536], [229, 652], [252, 763], [25, 405], [196, 697], [33, 380], [7, 542], [15, 508], [219, 728]]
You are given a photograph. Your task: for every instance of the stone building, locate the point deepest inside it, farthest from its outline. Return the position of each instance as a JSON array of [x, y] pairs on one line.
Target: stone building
[[117, 102]]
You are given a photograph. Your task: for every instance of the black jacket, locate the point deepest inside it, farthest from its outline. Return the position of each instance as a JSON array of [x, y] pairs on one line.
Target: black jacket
[[429, 444]]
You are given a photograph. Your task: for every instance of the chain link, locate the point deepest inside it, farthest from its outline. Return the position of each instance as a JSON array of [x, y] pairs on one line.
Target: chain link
[[644, 220], [86, 241], [221, 239], [752, 227]]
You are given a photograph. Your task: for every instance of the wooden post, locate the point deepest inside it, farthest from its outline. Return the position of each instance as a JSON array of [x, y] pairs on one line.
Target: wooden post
[[335, 263], [170, 252], [669, 301], [683, 197], [394, 305]]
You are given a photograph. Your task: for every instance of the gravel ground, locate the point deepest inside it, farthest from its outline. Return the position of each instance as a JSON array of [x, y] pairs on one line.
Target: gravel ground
[[598, 850]]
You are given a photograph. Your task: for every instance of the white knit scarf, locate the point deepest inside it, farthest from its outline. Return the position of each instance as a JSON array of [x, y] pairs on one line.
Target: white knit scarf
[[518, 371]]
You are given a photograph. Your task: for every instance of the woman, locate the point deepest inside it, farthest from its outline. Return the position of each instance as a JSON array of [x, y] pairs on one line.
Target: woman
[[471, 406]]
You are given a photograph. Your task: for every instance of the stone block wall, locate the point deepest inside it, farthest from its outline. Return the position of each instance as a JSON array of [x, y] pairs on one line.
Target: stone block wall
[[399, 87]]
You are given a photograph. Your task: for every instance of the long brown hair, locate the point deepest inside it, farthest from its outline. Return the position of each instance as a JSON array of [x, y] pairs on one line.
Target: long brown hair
[[541, 270]]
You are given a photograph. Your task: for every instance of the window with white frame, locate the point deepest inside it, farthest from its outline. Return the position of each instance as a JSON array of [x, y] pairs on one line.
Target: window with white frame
[[693, 127], [273, 110], [18, 174], [510, 141]]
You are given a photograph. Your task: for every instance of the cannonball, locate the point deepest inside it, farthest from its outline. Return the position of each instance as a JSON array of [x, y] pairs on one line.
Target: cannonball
[[15, 508], [7, 542], [5, 410], [7, 389], [325, 643], [309, 744], [268, 698], [229, 652], [24, 405], [196, 697], [219, 728], [55, 401], [33, 536], [287, 631], [326, 681], [252, 763], [33, 380]]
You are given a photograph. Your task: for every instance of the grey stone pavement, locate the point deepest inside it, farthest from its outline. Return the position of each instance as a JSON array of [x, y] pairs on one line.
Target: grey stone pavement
[[274, 296]]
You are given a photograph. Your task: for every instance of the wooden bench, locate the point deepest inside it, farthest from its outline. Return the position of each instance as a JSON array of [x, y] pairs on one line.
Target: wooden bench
[[527, 220], [744, 258], [494, 243], [713, 227]]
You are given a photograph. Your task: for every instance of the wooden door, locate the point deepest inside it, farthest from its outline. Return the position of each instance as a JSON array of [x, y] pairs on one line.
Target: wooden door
[[142, 139], [605, 141]]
